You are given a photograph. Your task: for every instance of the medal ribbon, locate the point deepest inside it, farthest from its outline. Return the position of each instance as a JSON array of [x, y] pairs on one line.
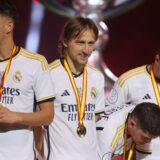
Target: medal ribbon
[[131, 150], [5, 74], [80, 104], [155, 85]]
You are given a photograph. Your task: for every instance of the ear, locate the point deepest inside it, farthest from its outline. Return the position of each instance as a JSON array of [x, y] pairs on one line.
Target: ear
[[64, 43], [9, 25], [157, 58], [132, 123]]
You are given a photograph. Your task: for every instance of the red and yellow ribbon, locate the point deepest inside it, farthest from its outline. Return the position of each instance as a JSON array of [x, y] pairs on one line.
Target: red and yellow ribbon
[[131, 150], [80, 104], [155, 85], [5, 74]]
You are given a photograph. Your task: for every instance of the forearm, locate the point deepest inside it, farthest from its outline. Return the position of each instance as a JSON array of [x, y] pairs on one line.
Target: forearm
[[5, 127], [42, 117], [38, 118]]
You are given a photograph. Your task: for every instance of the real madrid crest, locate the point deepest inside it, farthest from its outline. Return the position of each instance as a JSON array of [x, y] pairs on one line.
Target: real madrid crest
[[93, 93], [17, 77]]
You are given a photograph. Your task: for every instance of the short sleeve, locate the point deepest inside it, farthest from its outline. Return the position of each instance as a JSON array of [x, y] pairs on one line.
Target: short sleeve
[[100, 101], [43, 87]]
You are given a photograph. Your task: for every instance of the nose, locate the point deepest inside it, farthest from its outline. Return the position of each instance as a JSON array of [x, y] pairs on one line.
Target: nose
[[87, 48]]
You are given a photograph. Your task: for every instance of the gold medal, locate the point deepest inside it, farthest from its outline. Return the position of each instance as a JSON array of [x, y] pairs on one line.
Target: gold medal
[[81, 130]]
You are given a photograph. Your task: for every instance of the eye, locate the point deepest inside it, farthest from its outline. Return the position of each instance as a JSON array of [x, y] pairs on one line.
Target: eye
[[80, 42], [91, 43]]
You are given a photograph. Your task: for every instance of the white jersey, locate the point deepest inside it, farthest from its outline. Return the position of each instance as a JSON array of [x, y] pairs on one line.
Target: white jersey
[[28, 79], [111, 131], [135, 86], [64, 141]]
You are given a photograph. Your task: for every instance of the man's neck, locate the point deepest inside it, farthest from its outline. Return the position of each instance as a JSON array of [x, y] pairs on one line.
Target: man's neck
[[75, 69], [5, 51]]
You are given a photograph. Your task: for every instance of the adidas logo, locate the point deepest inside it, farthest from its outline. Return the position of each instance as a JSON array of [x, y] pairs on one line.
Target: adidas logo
[[65, 93], [147, 96]]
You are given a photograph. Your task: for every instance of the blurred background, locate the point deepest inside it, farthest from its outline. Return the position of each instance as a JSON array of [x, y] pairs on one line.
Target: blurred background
[[133, 29]]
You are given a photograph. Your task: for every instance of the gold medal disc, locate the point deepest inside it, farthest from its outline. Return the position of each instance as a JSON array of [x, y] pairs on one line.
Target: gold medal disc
[[81, 130]]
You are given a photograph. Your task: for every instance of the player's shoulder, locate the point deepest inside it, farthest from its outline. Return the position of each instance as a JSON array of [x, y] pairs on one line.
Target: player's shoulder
[[34, 57], [115, 115], [132, 74], [114, 111], [55, 64], [31, 55], [93, 70]]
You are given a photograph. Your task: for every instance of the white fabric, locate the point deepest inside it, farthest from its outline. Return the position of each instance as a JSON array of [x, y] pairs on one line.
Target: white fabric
[[28, 76], [65, 143], [133, 87], [111, 131]]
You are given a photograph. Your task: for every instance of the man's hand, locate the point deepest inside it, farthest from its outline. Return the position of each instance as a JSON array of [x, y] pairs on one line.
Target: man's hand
[[7, 116]]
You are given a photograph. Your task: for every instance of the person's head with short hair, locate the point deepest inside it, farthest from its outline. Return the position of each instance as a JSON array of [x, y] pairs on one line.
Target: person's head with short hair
[[8, 17], [9, 10], [143, 122], [83, 32]]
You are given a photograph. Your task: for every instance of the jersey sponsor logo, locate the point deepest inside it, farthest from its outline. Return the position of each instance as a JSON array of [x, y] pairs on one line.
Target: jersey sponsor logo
[[113, 96], [65, 93], [147, 96], [17, 77], [71, 111], [8, 95], [93, 93], [10, 91]]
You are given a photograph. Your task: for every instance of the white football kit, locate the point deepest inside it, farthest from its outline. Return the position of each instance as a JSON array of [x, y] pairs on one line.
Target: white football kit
[[133, 87], [111, 131], [28, 80], [64, 141]]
